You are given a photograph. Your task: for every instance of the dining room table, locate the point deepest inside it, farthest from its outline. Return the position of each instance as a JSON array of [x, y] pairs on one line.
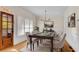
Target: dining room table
[[42, 35]]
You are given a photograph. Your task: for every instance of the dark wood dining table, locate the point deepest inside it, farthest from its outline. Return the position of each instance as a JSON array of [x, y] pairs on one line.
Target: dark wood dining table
[[42, 36]]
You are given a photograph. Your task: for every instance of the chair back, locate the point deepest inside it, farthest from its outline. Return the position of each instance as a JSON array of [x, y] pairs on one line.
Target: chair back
[[59, 33], [64, 36], [60, 42], [27, 35], [63, 40]]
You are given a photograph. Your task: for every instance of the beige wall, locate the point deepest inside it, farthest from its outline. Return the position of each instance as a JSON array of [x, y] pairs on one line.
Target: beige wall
[[58, 23]]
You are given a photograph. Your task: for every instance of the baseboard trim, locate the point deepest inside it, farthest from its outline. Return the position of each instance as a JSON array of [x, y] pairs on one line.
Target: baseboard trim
[[71, 48]]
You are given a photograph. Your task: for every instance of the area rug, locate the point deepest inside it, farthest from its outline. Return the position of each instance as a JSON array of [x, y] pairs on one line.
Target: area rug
[[40, 48]]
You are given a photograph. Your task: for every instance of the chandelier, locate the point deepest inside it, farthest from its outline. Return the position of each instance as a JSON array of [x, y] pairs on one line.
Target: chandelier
[[46, 18]]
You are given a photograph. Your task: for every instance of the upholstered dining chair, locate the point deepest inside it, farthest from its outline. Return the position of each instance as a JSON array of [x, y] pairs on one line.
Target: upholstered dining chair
[[58, 42], [27, 38], [34, 40]]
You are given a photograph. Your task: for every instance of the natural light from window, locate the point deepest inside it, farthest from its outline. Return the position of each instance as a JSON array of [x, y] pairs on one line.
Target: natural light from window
[[28, 25]]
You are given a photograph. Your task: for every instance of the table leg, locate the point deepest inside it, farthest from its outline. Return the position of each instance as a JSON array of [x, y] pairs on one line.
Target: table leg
[[30, 44], [51, 45], [41, 40]]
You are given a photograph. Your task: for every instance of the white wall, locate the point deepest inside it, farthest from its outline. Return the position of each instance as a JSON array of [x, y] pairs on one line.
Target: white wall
[[72, 33], [58, 23], [19, 12]]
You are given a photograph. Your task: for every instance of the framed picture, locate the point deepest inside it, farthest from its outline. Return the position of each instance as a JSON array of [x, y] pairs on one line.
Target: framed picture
[[71, 20]]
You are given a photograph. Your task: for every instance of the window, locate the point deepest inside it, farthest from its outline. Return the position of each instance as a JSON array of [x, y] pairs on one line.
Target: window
[[28, 25], [24, 25]]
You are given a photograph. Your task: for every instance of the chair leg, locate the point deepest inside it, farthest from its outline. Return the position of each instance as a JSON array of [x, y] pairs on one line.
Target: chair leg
[[37, 43], [61, 49], [27, 45], [33, 46]]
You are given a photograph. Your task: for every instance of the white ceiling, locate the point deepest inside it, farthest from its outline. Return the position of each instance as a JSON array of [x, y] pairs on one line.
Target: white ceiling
[[51, 10]]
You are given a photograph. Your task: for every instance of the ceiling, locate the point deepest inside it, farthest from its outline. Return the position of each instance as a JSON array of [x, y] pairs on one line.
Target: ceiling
[[51, 10]]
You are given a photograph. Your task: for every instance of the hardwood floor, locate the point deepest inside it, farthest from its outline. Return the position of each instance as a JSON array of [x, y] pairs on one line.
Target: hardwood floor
[[10, 49], [23, 44], [67, 47]]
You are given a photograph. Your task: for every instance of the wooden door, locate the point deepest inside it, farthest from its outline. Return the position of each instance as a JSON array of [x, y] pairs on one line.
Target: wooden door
[[0, 32], [7, 30]]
